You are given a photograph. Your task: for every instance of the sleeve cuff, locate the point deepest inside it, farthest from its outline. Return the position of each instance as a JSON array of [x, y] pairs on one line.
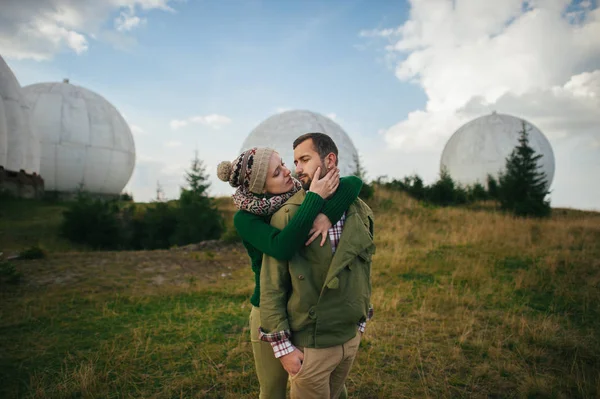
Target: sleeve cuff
[[274, 336], [282, 348], [362, 326]]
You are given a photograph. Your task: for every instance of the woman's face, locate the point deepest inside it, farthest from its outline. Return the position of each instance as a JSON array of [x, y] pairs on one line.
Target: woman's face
[[279, 177]]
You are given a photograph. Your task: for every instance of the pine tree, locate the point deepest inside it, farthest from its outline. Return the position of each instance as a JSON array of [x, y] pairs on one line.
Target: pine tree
[[196, 177], [523, 187], [492, 187], [367, 190], [198, 217]]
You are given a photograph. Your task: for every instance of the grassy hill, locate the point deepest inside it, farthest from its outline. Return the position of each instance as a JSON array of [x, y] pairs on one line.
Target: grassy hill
[[468, 303]]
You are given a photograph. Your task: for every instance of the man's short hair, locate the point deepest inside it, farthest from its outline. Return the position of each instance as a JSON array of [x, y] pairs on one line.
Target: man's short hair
[[322, 144]]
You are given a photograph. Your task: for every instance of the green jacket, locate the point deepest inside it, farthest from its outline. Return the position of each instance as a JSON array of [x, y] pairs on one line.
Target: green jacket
[[318, 296]]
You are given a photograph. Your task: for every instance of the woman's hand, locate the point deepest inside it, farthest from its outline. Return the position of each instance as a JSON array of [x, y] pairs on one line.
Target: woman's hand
[[321, 225], [327, 185]]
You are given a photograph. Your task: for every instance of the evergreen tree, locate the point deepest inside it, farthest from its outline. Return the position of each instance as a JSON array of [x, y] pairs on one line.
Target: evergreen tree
[[198, 217], [196, 177], [445, 191], [523, 187], [367, 190], [492, 187]]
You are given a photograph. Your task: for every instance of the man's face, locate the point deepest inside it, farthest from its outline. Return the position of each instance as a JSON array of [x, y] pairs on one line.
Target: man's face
[[307, 161]]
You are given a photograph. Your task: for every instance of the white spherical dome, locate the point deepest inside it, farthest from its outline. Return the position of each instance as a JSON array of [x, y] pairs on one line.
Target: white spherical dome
[[480, 147], [84, 139], [19, 145], [280, 130]]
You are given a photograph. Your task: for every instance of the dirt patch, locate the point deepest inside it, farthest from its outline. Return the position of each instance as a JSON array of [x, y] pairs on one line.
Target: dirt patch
[[203, 263]]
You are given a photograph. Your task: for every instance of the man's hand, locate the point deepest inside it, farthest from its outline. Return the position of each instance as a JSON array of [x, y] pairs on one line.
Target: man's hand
[[321, 226], [292, 362]]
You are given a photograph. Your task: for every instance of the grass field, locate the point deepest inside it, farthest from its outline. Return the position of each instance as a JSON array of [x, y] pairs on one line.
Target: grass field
[[469, 303]]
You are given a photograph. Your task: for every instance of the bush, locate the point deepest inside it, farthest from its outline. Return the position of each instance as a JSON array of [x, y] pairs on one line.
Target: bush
[[93, 222], [156, 227], [34, 252], [367, 191], [477, 193], [492, 185], [444, 192], [197, 219], [126, 197], [120, 224]]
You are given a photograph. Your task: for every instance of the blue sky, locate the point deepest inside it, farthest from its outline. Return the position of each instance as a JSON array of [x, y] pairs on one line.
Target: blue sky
[[391, 73]]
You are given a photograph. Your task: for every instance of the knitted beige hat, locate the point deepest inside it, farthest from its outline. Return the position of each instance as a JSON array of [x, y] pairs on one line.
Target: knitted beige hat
[[248, 169]]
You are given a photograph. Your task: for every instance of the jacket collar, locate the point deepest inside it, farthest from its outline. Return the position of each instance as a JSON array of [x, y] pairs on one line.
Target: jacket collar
[[297, 198]]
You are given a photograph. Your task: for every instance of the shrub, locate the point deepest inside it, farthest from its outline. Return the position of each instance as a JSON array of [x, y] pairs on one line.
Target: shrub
[[492, 187], [156, 227], [94, 222], [34, 252], [367, 191]]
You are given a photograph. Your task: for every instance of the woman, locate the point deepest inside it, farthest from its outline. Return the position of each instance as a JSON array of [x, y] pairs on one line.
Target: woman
[[264, 184]]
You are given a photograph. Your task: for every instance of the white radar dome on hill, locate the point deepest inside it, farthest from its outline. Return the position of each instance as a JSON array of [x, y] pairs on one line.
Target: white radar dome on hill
[[84, 139], [280, 130], [19, 144], [481, 146]]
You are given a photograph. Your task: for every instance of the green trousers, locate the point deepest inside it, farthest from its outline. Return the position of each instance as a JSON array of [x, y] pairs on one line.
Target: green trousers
[[272, 377]]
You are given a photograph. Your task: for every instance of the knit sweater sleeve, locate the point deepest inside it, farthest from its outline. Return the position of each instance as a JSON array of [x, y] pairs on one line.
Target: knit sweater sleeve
[[345, 195], [280, 244]]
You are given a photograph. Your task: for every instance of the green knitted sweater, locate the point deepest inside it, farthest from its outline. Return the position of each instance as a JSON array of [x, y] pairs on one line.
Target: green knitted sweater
[[259, 237]]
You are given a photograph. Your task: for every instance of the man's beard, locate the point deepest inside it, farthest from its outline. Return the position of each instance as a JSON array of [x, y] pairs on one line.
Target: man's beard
[[306, 185]]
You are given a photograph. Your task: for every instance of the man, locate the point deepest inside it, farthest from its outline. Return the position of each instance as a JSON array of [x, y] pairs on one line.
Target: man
[[314, 307]]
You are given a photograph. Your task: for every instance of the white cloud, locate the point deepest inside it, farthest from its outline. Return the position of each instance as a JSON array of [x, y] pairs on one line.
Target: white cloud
[[214, 121], [531, 59], [559, 111], [176, 124], [378, 32], [485, 50], [38, 29], [127, 20], [173, 143]]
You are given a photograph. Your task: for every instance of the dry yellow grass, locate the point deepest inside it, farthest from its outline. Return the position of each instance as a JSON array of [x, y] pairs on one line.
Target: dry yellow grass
[[469, 303]]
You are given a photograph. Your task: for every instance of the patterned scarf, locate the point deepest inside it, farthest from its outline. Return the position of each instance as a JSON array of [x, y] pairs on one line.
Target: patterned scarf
[[250, 202]]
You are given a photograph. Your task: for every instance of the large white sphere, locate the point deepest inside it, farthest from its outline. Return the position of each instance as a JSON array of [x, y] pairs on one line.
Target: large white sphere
[[19, 145], [280, 130], [84, 139], [480, 147]]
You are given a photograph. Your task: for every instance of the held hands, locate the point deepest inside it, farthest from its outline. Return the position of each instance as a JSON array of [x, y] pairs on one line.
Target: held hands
[[327, 185], [321, 225], [292, 362]]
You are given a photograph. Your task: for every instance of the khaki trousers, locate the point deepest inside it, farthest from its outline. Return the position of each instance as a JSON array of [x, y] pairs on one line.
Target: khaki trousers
[[272, 377], [324, 371]]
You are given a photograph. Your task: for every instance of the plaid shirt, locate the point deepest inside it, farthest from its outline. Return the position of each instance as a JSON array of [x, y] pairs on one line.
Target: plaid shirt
[[335, 233], [280, 340]]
